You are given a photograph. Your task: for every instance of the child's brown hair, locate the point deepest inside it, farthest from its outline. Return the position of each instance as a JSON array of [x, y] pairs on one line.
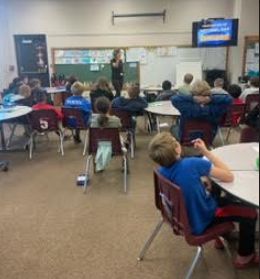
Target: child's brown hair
[[133, 90], [162, 149]]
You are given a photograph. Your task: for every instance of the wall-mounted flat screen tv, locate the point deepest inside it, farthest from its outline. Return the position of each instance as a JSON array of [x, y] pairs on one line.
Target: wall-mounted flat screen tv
[[215, 33]]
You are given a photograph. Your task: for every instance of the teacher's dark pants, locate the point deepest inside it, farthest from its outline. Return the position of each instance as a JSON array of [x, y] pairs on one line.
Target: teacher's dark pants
[[118, 85]]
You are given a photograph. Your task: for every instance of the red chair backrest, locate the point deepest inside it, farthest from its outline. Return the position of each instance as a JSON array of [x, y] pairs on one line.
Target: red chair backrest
[[196, 128], [112, 135], [75, 113], [170, 202], [249, 135], [44, 120], [125, 117], [65, 96], [235, 113], [252, 101]]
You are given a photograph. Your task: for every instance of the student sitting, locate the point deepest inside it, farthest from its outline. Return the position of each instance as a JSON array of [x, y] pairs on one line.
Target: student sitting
[[102, 90], [41, 103], [69, 83], [77, 101], [167, 92], [186, 87], [254, 89], [204, 205], [103, 117], [104, 120], [25, 92], [219, 87], [132, 103], [201, 104], [235, 92], [35, 84]]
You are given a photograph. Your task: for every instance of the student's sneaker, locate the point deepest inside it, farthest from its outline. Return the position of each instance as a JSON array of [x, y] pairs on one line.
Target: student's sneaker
[[253, 263]]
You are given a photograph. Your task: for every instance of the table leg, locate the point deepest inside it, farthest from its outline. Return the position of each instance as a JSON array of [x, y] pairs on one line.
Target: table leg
[[3, 141]]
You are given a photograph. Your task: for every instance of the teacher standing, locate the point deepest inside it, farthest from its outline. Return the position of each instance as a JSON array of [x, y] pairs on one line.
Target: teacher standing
[[117, 72]]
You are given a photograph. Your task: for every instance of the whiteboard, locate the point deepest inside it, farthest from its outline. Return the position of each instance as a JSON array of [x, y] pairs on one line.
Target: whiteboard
[[160, 68], [194, 68]]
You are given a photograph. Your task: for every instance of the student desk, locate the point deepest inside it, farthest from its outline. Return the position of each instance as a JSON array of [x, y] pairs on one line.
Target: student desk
[[154, 89], [9, 114], [161, 109], [241, 158]]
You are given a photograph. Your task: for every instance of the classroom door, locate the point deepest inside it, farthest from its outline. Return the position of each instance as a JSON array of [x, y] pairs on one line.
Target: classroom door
[[32, 57]]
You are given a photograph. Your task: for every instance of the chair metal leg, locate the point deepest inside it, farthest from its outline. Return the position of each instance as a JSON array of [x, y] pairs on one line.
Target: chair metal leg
[[85, 144], [125, 174], [132, 145], [221, 137], [87, 174], [194, 263], [31, 146], [158, 125], [228, 134], [61, 149], [150, 240]]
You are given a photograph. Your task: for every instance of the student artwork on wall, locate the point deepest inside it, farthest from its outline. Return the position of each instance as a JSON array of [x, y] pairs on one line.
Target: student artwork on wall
[[167, 51], [84, 57], [136, 55]]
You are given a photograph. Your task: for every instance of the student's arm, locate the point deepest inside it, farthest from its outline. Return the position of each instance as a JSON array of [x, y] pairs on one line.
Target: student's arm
[[219, 104], [219, 169], [188, 107]]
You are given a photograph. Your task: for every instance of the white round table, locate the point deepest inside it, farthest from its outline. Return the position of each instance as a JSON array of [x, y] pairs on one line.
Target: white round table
[[56, 90], [8, 114], [163, 109], [154, 89], [241, 158]]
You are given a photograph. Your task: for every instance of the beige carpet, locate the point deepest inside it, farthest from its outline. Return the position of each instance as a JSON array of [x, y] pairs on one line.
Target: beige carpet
[[49, 230]]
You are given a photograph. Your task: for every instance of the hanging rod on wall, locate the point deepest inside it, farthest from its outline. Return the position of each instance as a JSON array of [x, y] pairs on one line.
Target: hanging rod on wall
[[160, 14]]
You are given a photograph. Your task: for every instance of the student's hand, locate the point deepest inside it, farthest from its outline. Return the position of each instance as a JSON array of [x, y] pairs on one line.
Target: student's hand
[[200, 145], [202, 100]]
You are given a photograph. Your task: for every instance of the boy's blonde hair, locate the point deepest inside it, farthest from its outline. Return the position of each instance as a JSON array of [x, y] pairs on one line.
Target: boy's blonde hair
[[133, 90], [25, 91], [78, 88], [162, 149], [201, 88]]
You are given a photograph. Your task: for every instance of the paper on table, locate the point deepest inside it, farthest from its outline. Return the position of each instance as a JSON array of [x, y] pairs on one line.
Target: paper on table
[[256, 148]]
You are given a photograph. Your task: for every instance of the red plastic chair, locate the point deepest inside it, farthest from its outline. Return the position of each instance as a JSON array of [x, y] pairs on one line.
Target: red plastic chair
[[127, 127], [76, 116], [231, 119], [196, 128], [170, 202], [249, 135], [252, 101], [112, 135], [44, 121]]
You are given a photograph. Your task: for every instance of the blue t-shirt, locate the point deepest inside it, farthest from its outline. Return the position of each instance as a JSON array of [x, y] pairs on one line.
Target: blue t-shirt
[[201, 206], [80, 103]]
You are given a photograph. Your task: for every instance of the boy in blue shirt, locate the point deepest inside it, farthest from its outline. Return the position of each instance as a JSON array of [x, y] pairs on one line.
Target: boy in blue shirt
[[203, 207], [201, 104], [77, 101]]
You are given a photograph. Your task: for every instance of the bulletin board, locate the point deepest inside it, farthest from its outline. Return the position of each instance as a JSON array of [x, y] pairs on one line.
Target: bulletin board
[[251, 56], [90, 64]]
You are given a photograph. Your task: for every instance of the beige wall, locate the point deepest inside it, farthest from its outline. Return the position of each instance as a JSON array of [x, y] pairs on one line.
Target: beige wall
[[87, 23]]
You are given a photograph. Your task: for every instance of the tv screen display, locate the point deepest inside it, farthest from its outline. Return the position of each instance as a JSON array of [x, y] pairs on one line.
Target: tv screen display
[[215, 33]]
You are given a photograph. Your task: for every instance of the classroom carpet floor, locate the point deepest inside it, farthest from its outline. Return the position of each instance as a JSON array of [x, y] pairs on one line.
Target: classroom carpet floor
[[50, 230]]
